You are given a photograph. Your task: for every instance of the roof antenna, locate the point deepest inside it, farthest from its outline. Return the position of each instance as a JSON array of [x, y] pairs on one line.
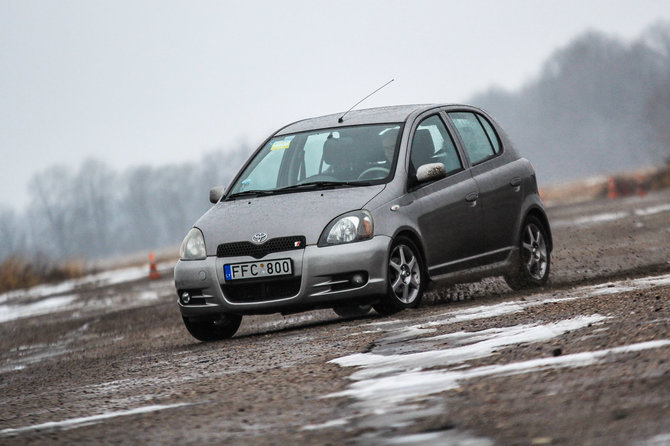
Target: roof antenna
[[341, 119]]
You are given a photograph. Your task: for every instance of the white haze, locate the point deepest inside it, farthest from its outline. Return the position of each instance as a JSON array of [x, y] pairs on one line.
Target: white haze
[[158, 82]]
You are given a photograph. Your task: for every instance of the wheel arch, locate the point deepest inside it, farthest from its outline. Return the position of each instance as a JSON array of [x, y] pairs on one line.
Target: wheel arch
[[414, 237], [539, 213]]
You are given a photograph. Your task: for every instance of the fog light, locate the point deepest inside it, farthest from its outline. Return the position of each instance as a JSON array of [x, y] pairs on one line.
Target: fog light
[[357, 279], [185, 297]]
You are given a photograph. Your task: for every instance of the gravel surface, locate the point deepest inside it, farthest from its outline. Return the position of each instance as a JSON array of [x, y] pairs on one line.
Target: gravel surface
[[585, 360]]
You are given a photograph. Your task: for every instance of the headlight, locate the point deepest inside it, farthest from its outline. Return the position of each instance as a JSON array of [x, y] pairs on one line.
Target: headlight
[[193, 246], [351, 227]]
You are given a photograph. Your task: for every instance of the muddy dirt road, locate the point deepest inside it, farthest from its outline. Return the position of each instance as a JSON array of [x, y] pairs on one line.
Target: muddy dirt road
[[585, 360]]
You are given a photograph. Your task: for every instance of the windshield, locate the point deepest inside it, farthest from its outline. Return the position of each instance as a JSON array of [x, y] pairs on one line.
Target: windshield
[[346, 156]]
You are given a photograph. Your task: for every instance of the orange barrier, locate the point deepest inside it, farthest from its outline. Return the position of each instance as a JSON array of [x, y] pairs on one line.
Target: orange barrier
[[153, 270], [611, 188]]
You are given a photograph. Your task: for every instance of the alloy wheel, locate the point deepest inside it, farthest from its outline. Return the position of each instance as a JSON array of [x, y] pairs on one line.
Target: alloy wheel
[[404, 274], [534, 251]]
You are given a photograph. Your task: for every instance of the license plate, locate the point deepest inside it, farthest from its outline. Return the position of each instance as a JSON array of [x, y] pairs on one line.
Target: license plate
[[258, 270]]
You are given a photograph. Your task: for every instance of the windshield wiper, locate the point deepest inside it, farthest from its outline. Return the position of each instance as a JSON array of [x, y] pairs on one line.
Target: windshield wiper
[[323, 185], [315, 185], [250, 193]]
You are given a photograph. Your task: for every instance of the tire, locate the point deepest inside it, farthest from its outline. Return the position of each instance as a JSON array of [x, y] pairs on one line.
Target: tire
[[351, 311], [406, 278], [532, 269], [213, 330]]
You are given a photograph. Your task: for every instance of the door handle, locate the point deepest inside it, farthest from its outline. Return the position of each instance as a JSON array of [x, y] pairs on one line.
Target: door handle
[[515, 182], [472, 197]]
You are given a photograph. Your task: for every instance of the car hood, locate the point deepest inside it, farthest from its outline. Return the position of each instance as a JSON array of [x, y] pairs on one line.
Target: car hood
[[300, 213]]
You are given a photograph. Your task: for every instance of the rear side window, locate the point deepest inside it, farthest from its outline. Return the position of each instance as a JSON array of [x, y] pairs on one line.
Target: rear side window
[[481, 141], [493, 136]]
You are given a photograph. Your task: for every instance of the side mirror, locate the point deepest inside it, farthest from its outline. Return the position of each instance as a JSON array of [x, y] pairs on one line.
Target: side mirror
[[430, 172], [216, 193]]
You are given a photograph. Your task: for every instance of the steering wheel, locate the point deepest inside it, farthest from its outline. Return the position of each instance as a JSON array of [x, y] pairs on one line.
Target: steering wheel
[[371, 173], [318, 177]]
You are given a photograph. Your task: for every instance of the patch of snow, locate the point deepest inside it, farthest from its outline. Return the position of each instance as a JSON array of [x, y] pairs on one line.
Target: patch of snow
[[148, 295], [484, 344], [505, 308], [610, 216], [395, 376], [326, 425], [480, 312], [625, 286], [406, 333], [652, 210], [378, 323], [358, 333], [441, 438], [85, 421], [10, 312], [391, 390], [28, 355], [611, 290], [658, 440], [104, 278], [600, 218]]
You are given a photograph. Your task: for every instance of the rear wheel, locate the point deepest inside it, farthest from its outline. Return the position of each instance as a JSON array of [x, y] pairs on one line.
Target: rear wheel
[[223, 327], [406, 278], [534, 263], [349, 311]]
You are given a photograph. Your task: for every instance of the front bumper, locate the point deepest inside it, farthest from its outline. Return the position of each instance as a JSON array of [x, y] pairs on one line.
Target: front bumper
[[320, 278]]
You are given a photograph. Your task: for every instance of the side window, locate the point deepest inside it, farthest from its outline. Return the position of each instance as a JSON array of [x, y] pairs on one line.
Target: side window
[[314, 153], [265, 169], [475, 138], [433, 144], [493, 136]]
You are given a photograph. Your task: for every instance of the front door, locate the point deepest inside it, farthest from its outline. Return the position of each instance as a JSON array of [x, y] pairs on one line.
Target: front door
[[448, 210]]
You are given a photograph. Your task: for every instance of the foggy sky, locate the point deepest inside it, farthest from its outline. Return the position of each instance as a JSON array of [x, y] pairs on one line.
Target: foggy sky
[[156, 82]]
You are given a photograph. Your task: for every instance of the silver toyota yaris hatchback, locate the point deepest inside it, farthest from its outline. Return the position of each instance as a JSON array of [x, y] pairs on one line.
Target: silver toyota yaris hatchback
[[364, 210]]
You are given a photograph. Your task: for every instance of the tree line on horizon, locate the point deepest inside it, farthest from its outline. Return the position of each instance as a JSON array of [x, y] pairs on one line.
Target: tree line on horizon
[[97, 212], [599, 105]]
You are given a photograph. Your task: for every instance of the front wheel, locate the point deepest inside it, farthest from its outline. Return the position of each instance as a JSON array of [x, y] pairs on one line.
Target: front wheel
[[534, 263], [406, 278], [223, 327]]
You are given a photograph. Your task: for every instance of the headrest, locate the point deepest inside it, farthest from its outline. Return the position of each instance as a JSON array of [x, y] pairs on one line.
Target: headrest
[[337, 151], [422, 144]]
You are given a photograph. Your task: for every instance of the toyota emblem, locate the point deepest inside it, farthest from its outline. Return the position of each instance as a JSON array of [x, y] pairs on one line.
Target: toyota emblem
[[259, 238]]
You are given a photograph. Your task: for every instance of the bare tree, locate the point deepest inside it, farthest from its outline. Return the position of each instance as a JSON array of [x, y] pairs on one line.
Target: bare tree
[[588, 111], [93, 200], [12, 234], [51, 192], [140, 219]]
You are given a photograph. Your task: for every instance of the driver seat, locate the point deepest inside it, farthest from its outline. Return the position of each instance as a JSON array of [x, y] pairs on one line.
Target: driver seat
[[338, 154]]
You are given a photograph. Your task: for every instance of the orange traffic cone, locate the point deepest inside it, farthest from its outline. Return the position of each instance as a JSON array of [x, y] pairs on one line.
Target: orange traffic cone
[[153, 270], [611, 188], [641, 190]]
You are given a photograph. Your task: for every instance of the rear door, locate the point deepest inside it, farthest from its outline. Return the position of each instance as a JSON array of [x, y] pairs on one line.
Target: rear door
[[498, 178]]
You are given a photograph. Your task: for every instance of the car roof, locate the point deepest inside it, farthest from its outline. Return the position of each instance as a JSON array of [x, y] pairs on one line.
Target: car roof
[[378, 115]]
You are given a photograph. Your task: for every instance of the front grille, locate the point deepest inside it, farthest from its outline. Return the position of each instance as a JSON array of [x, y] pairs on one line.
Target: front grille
[[236, 249], [261, 291]]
